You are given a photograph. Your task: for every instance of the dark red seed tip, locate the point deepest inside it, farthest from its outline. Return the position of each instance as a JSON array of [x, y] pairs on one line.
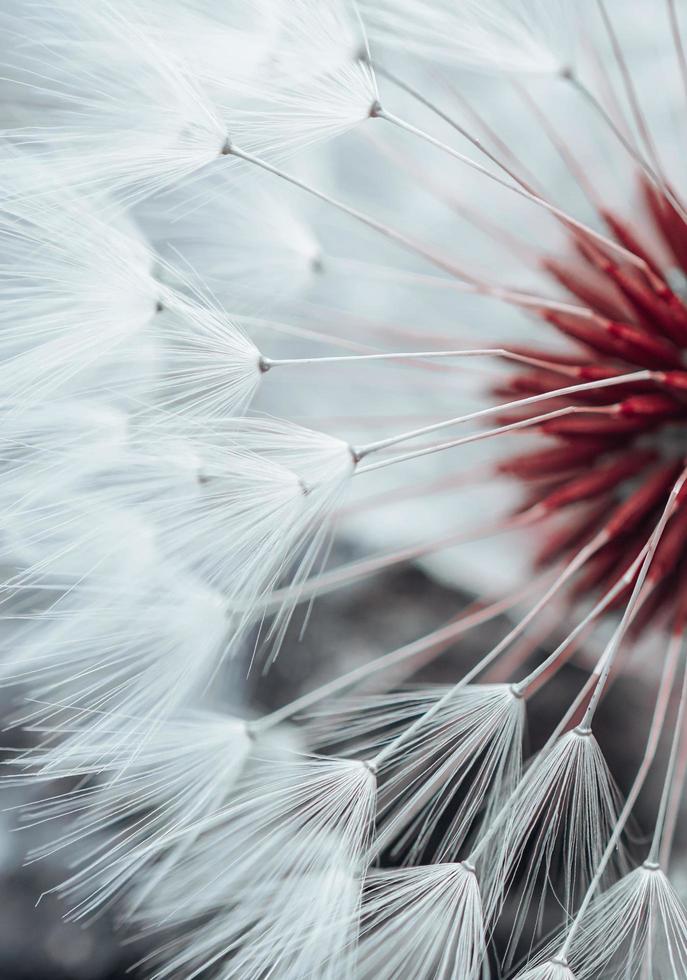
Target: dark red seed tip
[[656, 406]]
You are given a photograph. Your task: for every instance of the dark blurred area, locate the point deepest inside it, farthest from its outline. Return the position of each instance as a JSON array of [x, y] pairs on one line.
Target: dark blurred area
[[36, 942]]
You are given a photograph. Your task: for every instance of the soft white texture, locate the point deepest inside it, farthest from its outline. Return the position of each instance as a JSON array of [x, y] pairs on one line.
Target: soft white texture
[[529, 36], [424, 922], [563, 810], [154, 518], [466, 759]]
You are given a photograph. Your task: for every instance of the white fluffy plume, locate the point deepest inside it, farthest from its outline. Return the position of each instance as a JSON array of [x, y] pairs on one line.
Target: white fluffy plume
[[204, 350], [637, 928], [142, 121], [76, 286], [245, 504], [146, 120], [457, 769], [129, 660], [528, 36], [288, 888], [424, 922], [139, 791], [561, 815]]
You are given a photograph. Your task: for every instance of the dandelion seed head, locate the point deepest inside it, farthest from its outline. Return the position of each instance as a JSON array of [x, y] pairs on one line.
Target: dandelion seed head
[[408, 276]]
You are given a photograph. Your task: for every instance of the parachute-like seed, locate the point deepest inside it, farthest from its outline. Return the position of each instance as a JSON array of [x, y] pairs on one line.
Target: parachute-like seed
[[83, 294], [229, 240], [147, 121], [637, 928], [205, 364], [318, 87], [424, 922], [245, 504], [301, 926], [76, 286], [124, 658], [138, 790], [153, 524], [454, 772], [142, 121], [291, 843], [552, 832]]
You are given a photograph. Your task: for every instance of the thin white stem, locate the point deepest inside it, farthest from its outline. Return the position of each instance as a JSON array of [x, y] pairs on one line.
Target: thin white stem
[[505, 810], [677, 789], [631, 94], [655, 729], [582, 556], [504, 813], [608, 120], [489, 434], [353, 572], [267, 363], [530, 684], [437, 638], [633, 377], [614, 643], [580, 559], [582, 696], [516, 163], [391, 233], [393, 746], [523, 689], [421, 490], [669, 781], [513, 297], [580, 226], [372, 447], [454, 124], [561, 147], [654, 173], [460, 278]]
